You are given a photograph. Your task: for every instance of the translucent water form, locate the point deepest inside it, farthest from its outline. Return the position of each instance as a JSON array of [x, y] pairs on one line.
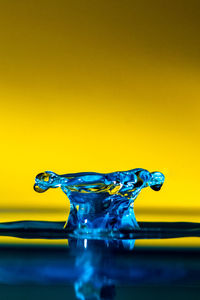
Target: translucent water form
[[101, 202]]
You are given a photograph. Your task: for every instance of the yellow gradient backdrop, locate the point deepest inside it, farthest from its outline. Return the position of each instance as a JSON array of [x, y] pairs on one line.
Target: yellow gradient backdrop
[[99, 86]]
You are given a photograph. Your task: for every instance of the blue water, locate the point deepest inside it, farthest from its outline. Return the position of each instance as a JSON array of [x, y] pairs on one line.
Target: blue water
[[101, 202], [107, 268], [90, 270], [100, 260]]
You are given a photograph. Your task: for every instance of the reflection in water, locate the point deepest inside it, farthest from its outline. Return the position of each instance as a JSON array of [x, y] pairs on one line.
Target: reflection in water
[[90, 285], [93, 283], [98, 268]]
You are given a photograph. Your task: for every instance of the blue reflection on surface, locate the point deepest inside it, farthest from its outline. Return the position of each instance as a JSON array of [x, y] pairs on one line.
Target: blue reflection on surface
[[98, 268], [93, 282]]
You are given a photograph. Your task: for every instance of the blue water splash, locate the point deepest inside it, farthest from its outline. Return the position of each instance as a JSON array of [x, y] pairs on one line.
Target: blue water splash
[[100, 202]]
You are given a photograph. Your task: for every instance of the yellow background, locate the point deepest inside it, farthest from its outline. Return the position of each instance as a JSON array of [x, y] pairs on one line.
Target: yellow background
[[99, 86]]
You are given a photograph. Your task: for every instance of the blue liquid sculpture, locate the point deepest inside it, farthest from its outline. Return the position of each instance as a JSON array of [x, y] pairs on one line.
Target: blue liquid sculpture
[[101, 202]]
